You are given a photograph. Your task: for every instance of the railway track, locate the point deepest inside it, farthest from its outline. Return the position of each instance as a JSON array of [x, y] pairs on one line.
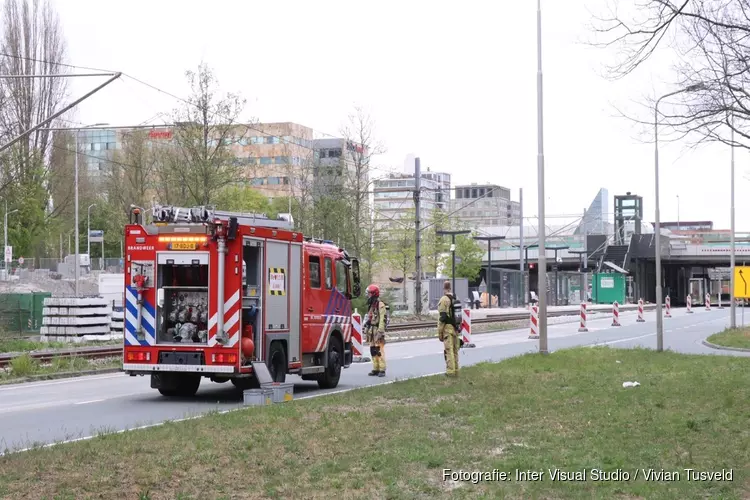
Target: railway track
[[99, 352]]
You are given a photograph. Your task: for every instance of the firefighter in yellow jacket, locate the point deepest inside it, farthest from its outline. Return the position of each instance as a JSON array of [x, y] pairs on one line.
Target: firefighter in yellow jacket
[[375, 330], [448, 331]]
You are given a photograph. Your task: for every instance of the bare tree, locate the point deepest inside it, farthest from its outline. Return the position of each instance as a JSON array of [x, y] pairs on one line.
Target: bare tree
[[205, 129], [32, 44], [710, 42], [132, 176], [360, 149]]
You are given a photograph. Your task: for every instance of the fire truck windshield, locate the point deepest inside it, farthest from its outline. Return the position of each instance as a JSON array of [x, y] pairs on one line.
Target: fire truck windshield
[[182, 288]]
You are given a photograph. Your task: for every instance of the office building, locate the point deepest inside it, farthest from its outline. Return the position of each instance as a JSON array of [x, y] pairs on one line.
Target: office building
[[485, 205], [394, 197]]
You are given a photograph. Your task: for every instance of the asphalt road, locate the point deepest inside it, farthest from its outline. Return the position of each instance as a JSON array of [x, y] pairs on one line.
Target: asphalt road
[[39, 413]]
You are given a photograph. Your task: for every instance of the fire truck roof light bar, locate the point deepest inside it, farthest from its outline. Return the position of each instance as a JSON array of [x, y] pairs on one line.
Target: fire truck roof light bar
[[204, 214]]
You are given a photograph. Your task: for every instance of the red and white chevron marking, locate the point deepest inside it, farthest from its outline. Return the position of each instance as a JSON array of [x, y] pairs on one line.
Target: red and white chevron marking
[[466, 326], [583, 328], [615, 314], [332, 320], [708, 302], [357, 347], [640, 311], [689, 301], [534, 320], [232, 309], [669, 307]]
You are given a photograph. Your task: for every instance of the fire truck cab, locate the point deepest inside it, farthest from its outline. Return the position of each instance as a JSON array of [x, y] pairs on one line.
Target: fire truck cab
[[222, 295]]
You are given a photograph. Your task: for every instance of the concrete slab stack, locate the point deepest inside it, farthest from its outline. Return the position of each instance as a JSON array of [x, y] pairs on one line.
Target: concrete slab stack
[[76, 319]]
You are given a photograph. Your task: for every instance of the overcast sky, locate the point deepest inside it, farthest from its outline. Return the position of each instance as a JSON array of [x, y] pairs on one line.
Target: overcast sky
[[454, 83]]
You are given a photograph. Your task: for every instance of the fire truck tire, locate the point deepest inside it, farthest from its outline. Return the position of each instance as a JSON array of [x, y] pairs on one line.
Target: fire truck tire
[[277, 362], [185, 385], [330, 377]]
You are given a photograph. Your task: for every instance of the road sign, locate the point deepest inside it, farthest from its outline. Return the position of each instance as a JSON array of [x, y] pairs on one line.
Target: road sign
[[9, 254], [742, 282], [20, 261], [96, 236]]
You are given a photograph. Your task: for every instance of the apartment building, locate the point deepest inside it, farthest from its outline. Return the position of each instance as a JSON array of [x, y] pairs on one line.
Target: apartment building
[[336, 161], [393, 197], [485, 205]]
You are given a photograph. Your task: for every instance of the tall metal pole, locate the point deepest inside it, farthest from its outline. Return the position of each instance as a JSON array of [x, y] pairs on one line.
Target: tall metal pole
[[540, 180], [88, 229], [520, 230], [77, 257], [453, 270], [417, 220], [657, 220], [732, 308]]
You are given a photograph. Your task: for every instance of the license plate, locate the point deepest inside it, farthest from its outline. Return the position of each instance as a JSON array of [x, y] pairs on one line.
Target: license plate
[[182, 245]]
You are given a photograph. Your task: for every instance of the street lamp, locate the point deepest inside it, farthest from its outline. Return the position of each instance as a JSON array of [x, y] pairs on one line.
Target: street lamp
[[657, 223], [77, 264], [88, 230], [541, 236], [6, 230], [453, 252], [489, 240]]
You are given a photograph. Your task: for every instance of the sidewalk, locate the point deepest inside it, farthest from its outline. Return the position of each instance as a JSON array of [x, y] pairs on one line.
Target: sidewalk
[[574, 309]]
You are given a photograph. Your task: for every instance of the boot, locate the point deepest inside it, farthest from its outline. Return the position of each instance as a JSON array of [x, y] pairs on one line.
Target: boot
[[374, 373], [381, 374]]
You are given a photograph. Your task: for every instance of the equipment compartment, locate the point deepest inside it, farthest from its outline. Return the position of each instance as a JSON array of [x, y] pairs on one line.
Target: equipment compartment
[[182, 298]]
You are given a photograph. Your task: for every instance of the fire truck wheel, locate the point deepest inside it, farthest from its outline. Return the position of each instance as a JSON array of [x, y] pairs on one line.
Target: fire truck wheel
[[277, 362], [330, 377], [185, 385]]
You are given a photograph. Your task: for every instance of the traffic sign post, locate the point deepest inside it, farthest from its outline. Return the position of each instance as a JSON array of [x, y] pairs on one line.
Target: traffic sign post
[[742, 282]]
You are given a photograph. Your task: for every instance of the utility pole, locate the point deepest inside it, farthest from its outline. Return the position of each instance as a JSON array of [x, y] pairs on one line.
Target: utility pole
[[520, 247], [5, 229], [540, 180], [417, 217], [732, 309]]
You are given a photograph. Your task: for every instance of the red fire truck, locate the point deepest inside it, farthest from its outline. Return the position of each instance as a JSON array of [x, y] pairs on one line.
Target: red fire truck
[[225, 295]]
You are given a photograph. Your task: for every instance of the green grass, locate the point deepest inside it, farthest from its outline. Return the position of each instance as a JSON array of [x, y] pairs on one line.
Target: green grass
[[567, 410], [732, 337], [25, 345], [24, 367]]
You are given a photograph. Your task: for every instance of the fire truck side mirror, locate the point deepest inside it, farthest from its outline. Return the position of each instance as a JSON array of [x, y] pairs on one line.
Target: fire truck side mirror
[[356, 286]]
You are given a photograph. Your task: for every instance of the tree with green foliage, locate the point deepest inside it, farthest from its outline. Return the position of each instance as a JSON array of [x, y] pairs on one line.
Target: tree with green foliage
[[470, 254], [399, 251], [434, 245], [205, 129]]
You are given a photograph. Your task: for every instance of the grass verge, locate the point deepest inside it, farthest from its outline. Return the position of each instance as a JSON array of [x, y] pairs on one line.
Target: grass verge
[[14, 345], [25, 368], [567, 411], [732, 337]]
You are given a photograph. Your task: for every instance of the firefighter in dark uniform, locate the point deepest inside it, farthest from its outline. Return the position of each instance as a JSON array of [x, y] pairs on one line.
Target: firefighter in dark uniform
[[448, 331], [375, 330]]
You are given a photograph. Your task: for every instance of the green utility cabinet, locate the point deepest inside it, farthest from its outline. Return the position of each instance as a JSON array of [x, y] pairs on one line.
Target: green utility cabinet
[[608, 288], [22, 312]]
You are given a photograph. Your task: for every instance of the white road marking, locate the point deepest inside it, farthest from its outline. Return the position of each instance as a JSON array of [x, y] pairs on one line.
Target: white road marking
[[25, 386], [89, 402], [621, 340]]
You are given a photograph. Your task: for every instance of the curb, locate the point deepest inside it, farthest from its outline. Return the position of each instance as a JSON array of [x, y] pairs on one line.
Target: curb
[[54, 376], [723, 348]]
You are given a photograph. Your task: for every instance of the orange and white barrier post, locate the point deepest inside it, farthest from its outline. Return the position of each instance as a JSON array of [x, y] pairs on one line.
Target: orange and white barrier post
[[466, 328], [719, 299], [708, 302], [358, 350], [640, 312], [583, 328], [534, 319], [668, 304], [615, 314], [689, 304]]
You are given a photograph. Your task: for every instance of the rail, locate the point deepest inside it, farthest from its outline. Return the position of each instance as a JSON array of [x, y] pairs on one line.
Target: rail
[[99, 352]]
